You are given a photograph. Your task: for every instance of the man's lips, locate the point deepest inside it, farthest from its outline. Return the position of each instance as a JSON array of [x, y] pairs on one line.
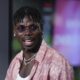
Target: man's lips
[[28, 42]]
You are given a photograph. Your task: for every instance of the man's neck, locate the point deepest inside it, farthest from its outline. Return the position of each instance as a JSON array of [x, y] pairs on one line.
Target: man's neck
[[28, 55]]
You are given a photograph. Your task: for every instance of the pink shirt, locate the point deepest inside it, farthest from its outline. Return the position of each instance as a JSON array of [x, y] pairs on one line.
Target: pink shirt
[[49, 65]]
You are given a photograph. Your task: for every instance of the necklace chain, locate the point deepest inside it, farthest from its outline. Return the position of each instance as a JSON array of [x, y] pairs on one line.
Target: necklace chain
[[26, 62]]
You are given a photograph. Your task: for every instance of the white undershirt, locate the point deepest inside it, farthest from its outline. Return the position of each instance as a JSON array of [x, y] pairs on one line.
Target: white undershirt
[[20, 78]]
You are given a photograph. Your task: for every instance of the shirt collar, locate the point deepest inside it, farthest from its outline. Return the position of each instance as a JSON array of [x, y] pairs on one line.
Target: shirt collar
[[42, 51]]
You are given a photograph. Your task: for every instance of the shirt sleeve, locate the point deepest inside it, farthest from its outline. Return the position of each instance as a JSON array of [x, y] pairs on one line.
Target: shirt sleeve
[[67, 72], [8, 74], [62, 71], [12, 70]]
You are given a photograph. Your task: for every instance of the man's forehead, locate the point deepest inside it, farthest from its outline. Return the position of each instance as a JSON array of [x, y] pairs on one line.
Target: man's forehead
[[26, 21]]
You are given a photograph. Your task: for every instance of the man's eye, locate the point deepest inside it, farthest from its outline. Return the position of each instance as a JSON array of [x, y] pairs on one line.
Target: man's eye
[[21, 28], [33, 27]]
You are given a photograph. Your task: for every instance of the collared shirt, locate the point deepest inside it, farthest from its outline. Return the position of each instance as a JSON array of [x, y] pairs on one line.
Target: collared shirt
[[49, 65]]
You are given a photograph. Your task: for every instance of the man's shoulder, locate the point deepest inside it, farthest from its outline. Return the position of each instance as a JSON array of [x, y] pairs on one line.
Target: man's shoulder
[[18, 57], [56, 57], [55, 53]]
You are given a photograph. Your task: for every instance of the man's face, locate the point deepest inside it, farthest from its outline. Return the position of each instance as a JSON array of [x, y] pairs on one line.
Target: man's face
[[28, 33]]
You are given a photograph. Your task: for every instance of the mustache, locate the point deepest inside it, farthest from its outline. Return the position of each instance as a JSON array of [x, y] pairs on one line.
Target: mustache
[[27, 38]]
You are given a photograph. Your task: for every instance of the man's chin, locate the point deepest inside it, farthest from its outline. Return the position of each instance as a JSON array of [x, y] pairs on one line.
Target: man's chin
[[31, 46]]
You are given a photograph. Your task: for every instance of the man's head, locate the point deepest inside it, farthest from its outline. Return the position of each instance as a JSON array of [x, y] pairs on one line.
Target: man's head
[[28, 27]]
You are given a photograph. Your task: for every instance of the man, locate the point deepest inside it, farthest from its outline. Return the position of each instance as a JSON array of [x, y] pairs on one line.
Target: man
[[36, 61]]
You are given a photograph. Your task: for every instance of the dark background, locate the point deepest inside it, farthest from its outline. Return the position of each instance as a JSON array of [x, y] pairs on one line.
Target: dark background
[[4, 29]]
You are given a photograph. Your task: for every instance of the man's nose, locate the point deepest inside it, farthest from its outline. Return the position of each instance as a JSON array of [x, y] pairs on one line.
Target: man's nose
[[28, 32]]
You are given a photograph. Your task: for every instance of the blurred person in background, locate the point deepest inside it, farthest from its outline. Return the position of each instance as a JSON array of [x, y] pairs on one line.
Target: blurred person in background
[[36, 60]]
